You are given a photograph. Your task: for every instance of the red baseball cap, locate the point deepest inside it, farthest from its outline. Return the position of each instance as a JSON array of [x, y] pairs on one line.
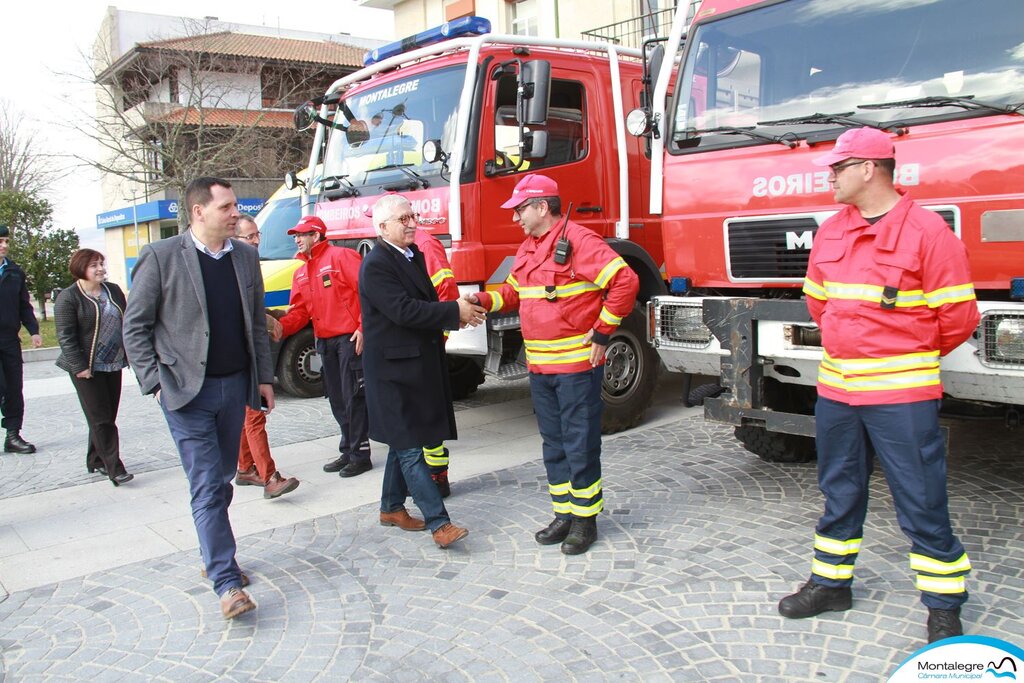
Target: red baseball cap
[[859, 143], [532, 185], [309, 224]]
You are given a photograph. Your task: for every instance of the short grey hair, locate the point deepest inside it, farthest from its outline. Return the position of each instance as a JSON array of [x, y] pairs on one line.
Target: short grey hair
[[242, 218], [385, 207]]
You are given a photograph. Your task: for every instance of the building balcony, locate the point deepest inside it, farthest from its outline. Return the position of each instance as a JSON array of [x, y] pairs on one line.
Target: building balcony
[[633, 32]]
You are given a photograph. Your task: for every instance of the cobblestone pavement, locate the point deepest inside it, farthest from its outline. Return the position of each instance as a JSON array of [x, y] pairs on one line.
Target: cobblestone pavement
[[698, 543]]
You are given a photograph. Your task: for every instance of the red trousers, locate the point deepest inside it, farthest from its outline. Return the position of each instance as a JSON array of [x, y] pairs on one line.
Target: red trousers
[[254, 449]]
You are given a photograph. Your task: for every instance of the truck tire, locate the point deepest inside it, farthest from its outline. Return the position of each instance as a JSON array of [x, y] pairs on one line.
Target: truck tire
[[464, 375], [298, 367], [776, 446], [697, 396], [630, 374]]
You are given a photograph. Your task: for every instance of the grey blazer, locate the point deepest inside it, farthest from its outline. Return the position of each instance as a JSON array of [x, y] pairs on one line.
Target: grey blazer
[[166, 328]]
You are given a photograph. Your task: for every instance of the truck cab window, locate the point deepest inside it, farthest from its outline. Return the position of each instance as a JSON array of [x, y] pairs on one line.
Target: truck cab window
[[567, 141]]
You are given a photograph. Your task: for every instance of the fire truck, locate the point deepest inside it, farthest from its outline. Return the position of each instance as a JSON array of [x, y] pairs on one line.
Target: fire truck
[[759, 90], [452, 118]]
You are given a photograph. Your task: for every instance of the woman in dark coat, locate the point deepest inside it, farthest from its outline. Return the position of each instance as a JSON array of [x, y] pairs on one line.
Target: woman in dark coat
[[88, 317]]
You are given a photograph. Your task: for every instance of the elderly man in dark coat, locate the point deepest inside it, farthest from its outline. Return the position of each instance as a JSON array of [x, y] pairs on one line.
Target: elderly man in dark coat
[[408, 396]]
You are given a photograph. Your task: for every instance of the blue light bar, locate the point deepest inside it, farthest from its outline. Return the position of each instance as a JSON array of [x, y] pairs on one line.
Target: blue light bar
[[679, 285], [463, 26]]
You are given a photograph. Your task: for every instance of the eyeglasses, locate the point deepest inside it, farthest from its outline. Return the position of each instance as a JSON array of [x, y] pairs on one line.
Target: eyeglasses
[[251, 237], [518, 211], [413, 217], [836, 168]]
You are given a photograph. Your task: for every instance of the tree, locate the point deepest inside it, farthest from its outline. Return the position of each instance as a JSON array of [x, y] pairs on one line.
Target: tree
[[41, 250], [24, 164], [172, 110]]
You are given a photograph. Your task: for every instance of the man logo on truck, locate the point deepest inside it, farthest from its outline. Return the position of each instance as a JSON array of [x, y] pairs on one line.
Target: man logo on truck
[[802, 240]]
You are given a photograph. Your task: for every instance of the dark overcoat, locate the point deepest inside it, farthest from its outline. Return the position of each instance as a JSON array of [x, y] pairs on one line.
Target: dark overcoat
[[408, 397]]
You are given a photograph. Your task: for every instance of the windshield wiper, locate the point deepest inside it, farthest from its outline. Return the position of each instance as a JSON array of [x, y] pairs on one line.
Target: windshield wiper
[[788, 139], [845, 118], [337, 187], [416, 178], [965, 102]]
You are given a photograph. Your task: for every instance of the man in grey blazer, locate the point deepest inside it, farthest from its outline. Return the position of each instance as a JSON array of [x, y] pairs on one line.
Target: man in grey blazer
[[195, 300]]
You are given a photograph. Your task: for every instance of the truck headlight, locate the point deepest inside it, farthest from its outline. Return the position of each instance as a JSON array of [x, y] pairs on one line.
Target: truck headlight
[[682, 326], [1002, 335]]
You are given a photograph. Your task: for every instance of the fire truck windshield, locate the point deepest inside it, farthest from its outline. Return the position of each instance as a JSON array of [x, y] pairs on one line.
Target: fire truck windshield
[[800, 66], [384, 146]]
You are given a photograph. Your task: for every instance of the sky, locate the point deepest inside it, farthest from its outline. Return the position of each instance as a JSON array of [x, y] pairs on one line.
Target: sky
[[43, 72]]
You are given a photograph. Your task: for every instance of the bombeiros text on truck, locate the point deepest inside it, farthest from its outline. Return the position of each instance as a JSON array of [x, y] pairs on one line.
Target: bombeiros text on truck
[[452, 118], [763, 87]]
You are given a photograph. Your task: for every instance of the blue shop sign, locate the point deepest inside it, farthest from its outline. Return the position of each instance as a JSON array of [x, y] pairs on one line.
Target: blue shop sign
[[160, 209]]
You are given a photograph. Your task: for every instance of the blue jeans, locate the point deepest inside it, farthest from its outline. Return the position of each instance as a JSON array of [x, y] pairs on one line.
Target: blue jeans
[[908, 442], [568, 408], [207, 431], [406, 472]]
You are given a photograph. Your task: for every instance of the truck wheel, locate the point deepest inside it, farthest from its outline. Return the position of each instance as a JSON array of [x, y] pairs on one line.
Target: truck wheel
[[697, 396], [298, 366], [630, 375], [776, 446], [464, 375]]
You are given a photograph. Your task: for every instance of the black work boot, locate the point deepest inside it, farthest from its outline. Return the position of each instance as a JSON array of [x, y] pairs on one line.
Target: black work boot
[[582, 535], [555, 532], [944, 623], [441, 481], [15, 444], [813, 599]]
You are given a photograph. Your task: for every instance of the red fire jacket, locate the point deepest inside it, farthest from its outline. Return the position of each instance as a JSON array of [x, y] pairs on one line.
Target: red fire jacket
[[438, 267], [559, 304], [890, 298], [325, 290]]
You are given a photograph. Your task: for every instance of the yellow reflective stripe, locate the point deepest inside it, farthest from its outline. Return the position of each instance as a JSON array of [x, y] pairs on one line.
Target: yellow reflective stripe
[[439, 277], [512, 281], [588, 492], [565, 343], [609, 318], [813, 289], [872, 294], [832, 571], [561, 291], [558, 489], [950, 295], [834, 547], [923, 563], [922, 360], [941, 584], [561, 508], [609, 271], [588, 510], [497, 302], [558, 358], [895, 380], [435, 457]]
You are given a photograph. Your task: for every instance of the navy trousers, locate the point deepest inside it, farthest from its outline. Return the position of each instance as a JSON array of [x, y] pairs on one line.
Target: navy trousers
[[345, 388], [12, 400], [908, 442], [568, 408], [207, 431], [405, 473]]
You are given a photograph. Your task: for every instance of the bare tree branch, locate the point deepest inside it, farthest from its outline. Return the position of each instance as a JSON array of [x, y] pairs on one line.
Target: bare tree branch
[[25, 165]]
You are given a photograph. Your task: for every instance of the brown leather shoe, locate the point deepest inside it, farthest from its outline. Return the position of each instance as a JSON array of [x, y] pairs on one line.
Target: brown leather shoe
[[449, 534], [278, 485], [245, 579], [234, 602], [402, 519], [248, 477]]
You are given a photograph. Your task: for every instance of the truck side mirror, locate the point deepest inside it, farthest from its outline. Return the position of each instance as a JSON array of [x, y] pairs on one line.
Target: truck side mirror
[[535, 81], [305, 116], [638, 122], [535, 144]]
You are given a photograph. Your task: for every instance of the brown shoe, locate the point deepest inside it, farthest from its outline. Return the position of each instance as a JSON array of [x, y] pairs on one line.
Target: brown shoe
[[278, 485], [248, 477], [402, 519], [234, 602], [449, 534], [245, 579]]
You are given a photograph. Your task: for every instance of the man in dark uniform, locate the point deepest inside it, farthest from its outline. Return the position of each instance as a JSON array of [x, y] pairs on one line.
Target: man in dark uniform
[[15, 311]]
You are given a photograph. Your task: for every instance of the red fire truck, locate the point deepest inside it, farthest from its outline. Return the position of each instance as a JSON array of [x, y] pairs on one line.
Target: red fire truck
[[761, 88], [453, 126]]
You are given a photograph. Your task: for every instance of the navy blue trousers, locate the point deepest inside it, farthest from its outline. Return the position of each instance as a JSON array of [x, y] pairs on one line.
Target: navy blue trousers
[[207, 431], [908, 442], [344, 385], [568, 408]]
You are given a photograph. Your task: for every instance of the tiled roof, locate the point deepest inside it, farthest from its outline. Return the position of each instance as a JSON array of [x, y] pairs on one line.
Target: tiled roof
[[228, 118], [263, 47]]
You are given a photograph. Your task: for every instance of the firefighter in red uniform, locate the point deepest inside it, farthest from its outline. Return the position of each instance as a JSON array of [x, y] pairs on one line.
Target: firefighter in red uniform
[[325, 290], [889, 285], [572, 290], [441, 276]]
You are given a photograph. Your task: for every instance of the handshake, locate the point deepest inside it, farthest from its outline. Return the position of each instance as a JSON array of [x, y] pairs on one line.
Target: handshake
[[471, 313]]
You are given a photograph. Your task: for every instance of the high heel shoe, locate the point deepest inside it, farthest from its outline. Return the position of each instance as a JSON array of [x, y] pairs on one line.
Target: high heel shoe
[[122, 478]]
